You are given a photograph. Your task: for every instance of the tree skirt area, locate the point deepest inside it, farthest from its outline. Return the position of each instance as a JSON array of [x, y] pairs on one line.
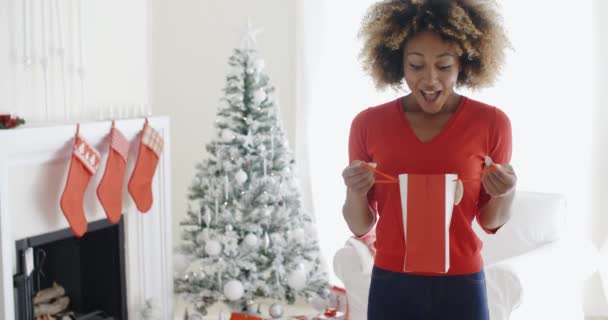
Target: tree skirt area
[[300, 307]]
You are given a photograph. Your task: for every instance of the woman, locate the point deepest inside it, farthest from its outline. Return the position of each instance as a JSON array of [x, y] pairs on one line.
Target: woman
[[433, 47]]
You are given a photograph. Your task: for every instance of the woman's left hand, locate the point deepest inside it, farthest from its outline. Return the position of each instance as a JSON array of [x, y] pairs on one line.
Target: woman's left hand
[[499, 182]]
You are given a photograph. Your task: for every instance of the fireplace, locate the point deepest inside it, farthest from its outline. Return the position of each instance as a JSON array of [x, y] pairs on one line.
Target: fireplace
[[91, 270], [33, 168]]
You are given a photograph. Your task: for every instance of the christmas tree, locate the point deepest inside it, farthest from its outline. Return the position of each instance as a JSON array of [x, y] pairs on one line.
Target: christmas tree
[[246, 235]]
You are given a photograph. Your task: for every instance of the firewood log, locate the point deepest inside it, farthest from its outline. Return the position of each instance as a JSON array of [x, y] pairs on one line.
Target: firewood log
[[51, 308], [48, 294]]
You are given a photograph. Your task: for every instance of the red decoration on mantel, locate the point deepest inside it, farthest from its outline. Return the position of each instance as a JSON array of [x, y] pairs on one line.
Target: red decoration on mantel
[[8, 122]]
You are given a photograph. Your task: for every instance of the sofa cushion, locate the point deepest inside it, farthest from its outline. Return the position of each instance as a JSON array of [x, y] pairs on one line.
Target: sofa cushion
[[536, 219]]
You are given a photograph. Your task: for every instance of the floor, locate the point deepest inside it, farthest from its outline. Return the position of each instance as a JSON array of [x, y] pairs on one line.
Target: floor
[[299, 308]]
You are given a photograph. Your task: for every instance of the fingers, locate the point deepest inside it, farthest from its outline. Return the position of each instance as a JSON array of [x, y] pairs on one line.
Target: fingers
[[489, 184], [363, 184], [503, 176], [355, 170], [358, 178], [499, 181]]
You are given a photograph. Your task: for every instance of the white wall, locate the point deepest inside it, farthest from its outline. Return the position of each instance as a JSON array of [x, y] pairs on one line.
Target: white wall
[[595, 297], [191, 41]]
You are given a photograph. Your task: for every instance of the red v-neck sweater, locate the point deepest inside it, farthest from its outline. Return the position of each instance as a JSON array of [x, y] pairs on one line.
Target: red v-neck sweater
[[383, 135]]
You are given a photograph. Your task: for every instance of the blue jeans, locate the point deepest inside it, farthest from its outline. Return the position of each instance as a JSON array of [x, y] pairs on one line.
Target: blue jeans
[[400, 296]]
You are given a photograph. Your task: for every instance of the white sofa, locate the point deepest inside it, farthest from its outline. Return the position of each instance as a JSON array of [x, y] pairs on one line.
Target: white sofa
[[533, 269]]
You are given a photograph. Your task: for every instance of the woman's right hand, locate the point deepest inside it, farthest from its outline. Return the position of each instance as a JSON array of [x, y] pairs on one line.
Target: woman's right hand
[[358, 180]]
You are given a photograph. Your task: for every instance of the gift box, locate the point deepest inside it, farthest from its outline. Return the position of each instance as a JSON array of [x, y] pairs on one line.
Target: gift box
[[427, 203], [242, 316]]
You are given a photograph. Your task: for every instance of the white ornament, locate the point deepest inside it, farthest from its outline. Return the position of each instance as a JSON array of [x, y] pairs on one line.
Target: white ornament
[[259, 96], [305, 265], [251, 240], [299, 235], [241, 176], [227, 135], [229, 228], [262, 148], [296, 279], [276, 311], [213, 248], [233, 290]]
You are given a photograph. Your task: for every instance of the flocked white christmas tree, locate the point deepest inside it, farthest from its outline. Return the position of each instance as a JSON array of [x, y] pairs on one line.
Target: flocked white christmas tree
[[246, 235]]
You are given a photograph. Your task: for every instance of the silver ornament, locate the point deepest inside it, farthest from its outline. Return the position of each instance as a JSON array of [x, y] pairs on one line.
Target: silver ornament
[[229, 228], [233, 290], [276, 311], [207, 217], [213, 248], [251, 240], [241, 176], [296, 279], [266, 240], [250, 307]]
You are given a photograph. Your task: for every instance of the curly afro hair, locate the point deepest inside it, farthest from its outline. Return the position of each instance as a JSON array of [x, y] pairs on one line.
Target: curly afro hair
[[474, 25]]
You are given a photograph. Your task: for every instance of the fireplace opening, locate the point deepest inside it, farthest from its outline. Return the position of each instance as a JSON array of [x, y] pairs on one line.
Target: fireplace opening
[[60, 276]]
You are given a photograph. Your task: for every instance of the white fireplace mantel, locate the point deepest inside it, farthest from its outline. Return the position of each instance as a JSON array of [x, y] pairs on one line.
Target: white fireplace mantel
[[33, 168]]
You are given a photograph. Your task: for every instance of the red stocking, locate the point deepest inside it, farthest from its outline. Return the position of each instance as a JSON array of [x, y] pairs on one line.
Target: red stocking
[[140, 183], [84, 163], [109, 191]]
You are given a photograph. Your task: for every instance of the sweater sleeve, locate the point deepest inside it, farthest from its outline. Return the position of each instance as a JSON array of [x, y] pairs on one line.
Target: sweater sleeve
[[357, 150], [500, 148]]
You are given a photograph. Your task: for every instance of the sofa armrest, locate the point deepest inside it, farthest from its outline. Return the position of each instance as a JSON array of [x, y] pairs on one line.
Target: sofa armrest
[[533, 276], [355, 257]]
